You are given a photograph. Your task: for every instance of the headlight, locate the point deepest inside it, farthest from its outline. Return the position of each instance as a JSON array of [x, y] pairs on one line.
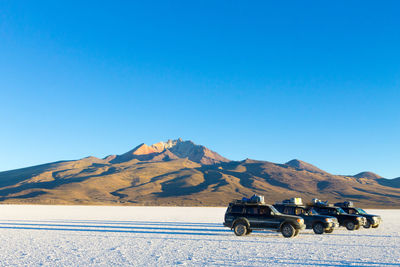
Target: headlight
[[359, 218], [329, 220], [300, 221]]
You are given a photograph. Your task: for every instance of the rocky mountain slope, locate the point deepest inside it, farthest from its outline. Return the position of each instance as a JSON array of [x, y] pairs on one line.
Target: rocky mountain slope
[[180, 172]]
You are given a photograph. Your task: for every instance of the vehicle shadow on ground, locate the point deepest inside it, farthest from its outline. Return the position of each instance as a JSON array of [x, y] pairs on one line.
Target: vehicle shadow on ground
[[304, 262], [364, 235], [107, 222], [175, 228], [352, 234], [158, 228]]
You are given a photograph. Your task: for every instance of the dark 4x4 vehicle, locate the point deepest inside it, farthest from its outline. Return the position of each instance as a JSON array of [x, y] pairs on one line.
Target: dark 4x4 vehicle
[[350, 221], [319, 223], [243, 217], [372, 220]]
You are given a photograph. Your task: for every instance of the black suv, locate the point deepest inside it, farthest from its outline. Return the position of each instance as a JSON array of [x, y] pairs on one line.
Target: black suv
[[243, 217], [372, 220], [313, 220], [350, 221]]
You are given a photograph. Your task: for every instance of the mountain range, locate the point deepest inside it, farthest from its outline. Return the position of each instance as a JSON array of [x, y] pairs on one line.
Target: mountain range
[[180, 172]]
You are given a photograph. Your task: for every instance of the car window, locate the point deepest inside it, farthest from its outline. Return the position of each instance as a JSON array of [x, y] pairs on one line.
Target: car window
[[237, 209], [279, 208], [299, 211], [332, 212], [340, 211], [360, 211], [323, 211], [265, 211], [286, 210], [252, 210], [351, 211], [273, 210]]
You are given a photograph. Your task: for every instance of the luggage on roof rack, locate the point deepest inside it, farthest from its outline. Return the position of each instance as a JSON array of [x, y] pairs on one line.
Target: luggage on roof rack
[[317, 202], [254, 199], [293, 200]]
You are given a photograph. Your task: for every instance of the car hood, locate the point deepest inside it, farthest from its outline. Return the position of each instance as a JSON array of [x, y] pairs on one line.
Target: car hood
[[322, 216]]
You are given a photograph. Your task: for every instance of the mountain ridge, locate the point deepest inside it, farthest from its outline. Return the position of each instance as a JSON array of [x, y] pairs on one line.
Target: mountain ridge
[[180, 172]]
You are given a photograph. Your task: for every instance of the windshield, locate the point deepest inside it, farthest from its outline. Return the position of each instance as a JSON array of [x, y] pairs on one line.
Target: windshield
[[274, 210], [340, 211], [361, 211]]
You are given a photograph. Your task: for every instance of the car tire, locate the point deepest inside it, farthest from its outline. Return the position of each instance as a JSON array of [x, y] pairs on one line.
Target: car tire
[[248, 231], [240, 229], [367, 224], [328, 231], [288, 230], [375, 226], [318, 228], [350, 225]]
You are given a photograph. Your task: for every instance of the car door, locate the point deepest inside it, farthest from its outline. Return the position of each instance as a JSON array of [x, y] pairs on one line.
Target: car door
[[268, 221], [252, 214], [351, 211]]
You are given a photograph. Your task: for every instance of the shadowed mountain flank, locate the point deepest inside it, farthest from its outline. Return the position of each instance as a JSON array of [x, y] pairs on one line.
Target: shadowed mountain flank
[[182, 173], [389, 182]]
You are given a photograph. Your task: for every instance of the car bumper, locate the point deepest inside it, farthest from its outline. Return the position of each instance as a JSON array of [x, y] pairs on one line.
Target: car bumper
[[363, 221], [334, 225], [302, 227], [331, 225], [376, 223]]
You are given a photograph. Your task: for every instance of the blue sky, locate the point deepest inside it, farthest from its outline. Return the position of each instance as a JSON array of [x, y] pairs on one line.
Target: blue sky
[[270, 80]]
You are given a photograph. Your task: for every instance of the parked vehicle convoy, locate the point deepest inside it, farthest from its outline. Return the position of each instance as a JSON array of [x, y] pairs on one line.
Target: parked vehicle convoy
[[350, 221], [244, 216], [319, 223], [372, 220]]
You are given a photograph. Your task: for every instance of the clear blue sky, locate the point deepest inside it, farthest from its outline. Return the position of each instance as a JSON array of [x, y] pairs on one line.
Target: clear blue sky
[[269, 80]]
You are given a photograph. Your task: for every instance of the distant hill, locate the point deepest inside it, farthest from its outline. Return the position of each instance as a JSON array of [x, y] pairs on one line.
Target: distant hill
[[180, 172], [368, 175]]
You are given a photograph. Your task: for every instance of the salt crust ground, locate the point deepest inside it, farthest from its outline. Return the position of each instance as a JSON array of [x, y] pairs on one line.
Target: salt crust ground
[[169, 236]]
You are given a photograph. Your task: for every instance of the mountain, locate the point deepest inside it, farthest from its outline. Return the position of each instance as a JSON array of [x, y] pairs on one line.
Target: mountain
[[303, 166], [368, 175], [180, 172], [172, 149]]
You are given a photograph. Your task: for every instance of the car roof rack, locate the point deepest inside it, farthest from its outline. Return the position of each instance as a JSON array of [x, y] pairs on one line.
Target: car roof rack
[[291, 201], [319, 203], [345, 204], [239, 201]]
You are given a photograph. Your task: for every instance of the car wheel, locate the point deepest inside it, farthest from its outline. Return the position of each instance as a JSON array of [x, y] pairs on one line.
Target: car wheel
[[318, 228], [240, 229], [350, 226], [288, 230], [375, 226], [367, 224], [328, 231]]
